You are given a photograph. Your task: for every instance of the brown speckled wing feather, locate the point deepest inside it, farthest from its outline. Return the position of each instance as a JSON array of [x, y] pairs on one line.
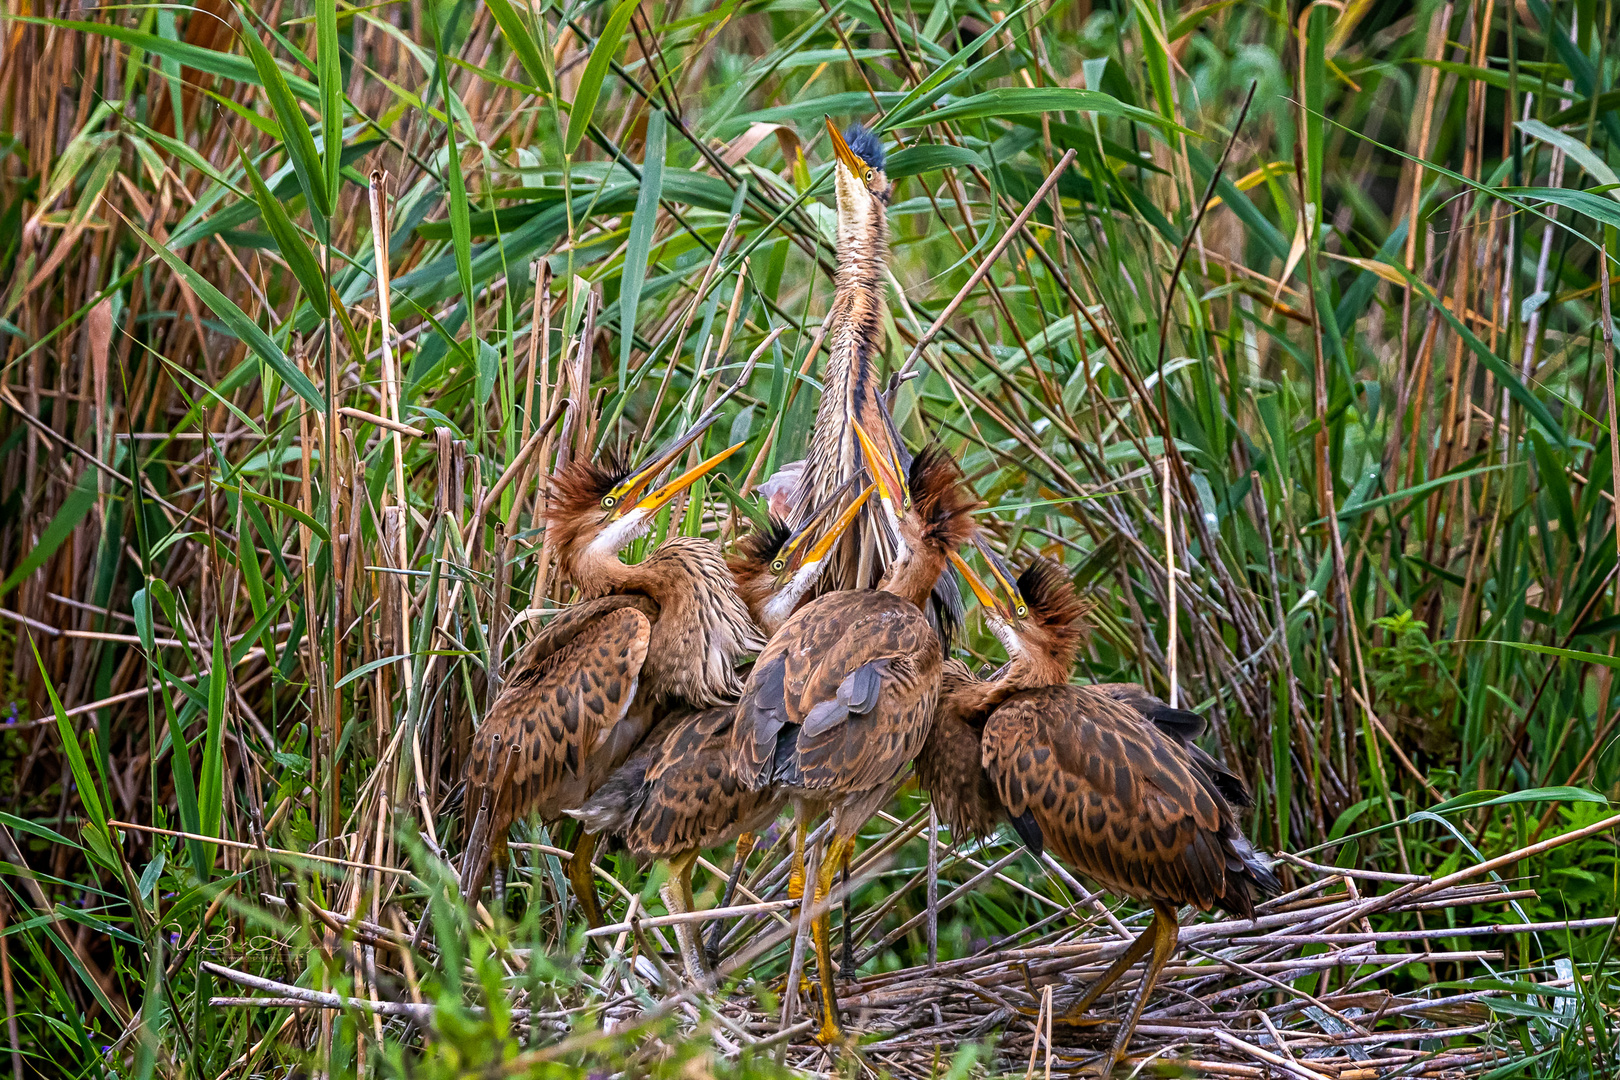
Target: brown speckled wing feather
[[536, 657], [1114, 796], [693, 798], [1183, 726], [842, 697], [567, 707]]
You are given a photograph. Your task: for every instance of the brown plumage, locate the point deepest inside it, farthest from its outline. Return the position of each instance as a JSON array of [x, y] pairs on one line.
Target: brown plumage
[[851, 385], [663, 635], [1105, 777], [678, 795], [842, 697], [1120, 800], [679, 792]]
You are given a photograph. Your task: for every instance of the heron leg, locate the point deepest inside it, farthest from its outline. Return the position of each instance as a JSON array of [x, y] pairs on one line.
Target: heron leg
[[795, 884], [745, 847], [846, 964], [584, 884], [677, 894], [821, 929], [1166, 936], [499, 854], [1133, 952]]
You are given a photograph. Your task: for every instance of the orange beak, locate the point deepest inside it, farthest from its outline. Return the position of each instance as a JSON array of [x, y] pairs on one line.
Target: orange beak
[[842, 152], [981, 591], [626, 495], [819, 550], [891, 488], [1004, 600], [651, 503]]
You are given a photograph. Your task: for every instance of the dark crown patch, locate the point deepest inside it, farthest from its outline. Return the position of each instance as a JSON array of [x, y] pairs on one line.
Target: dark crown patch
[[865, 144]]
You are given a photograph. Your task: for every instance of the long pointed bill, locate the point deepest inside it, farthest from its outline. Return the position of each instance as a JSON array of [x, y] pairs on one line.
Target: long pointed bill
[[891, 491], [842, 151], [1003, 577], [819, 515], [981, 591], [629, 490], [819, 550], [656, 499]]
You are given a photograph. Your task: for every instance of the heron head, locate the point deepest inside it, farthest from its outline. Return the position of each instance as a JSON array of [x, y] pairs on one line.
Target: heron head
[[1038, 617], [1004, 605], [858, 170], [601, 507], [776, 567]]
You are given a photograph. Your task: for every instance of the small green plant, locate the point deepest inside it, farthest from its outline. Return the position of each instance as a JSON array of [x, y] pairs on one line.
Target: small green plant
[[1410, 682]]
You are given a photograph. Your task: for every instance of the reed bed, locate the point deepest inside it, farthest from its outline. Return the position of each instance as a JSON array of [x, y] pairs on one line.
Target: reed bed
[[1288, 330]]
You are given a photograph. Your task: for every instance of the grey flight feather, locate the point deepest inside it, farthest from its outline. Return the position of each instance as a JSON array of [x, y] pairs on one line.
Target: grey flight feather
[[857, 695]]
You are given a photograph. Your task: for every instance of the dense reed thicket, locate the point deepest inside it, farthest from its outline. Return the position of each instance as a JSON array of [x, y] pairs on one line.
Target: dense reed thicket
[[1317, 408]]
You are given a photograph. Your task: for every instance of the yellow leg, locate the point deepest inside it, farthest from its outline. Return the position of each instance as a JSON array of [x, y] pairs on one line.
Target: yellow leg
[[677, 894], [499, 855], [579, 876], [830, 1033], [745, 847], [795, 884], [1166, 936], [1133, 952], [795, 887]]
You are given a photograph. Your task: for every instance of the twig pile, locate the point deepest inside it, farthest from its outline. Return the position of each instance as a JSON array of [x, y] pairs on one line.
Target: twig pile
[[1306, 989], [1243, 997]]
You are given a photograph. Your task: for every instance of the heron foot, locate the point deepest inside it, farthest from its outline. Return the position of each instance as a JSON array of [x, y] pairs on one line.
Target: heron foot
[[1103, 1067], [1072, 1017], [833, 1037]]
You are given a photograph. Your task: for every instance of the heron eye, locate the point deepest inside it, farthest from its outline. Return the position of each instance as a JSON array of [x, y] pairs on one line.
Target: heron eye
[[778, 566], [1022, 611], [609, 501], [868, 176]]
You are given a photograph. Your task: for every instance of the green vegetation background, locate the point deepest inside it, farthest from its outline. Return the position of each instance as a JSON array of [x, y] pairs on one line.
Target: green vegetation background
[[1383, 363]]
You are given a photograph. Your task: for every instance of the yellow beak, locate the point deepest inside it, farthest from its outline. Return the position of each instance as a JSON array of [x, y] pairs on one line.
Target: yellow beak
[[981, 591], [891, 487], [817, 516], [651, 503], [1003, 576], [842, 151], [630, 489], [819, 550]]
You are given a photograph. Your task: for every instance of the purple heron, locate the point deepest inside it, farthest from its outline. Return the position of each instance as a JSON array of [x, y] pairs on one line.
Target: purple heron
[[661, 636], [841, 699], [679, 794], [1107, 777]]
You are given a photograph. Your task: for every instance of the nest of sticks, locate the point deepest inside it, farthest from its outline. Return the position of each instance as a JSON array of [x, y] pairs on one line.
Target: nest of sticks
[[1302, 990], [1308, 988]]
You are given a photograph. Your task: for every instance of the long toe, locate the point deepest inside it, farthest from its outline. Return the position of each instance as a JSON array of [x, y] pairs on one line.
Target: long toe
[[832, 1036], [1104, 1066]]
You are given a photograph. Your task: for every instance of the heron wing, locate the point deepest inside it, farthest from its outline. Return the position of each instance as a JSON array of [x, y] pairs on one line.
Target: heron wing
[[562, 723], [691, 796], [1112, 794], [1183, 726], [842, 697]]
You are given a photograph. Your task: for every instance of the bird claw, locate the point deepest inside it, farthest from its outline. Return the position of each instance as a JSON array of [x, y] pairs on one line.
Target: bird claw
[[1067, 1019], [1103, 1067], [833, 1037]]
